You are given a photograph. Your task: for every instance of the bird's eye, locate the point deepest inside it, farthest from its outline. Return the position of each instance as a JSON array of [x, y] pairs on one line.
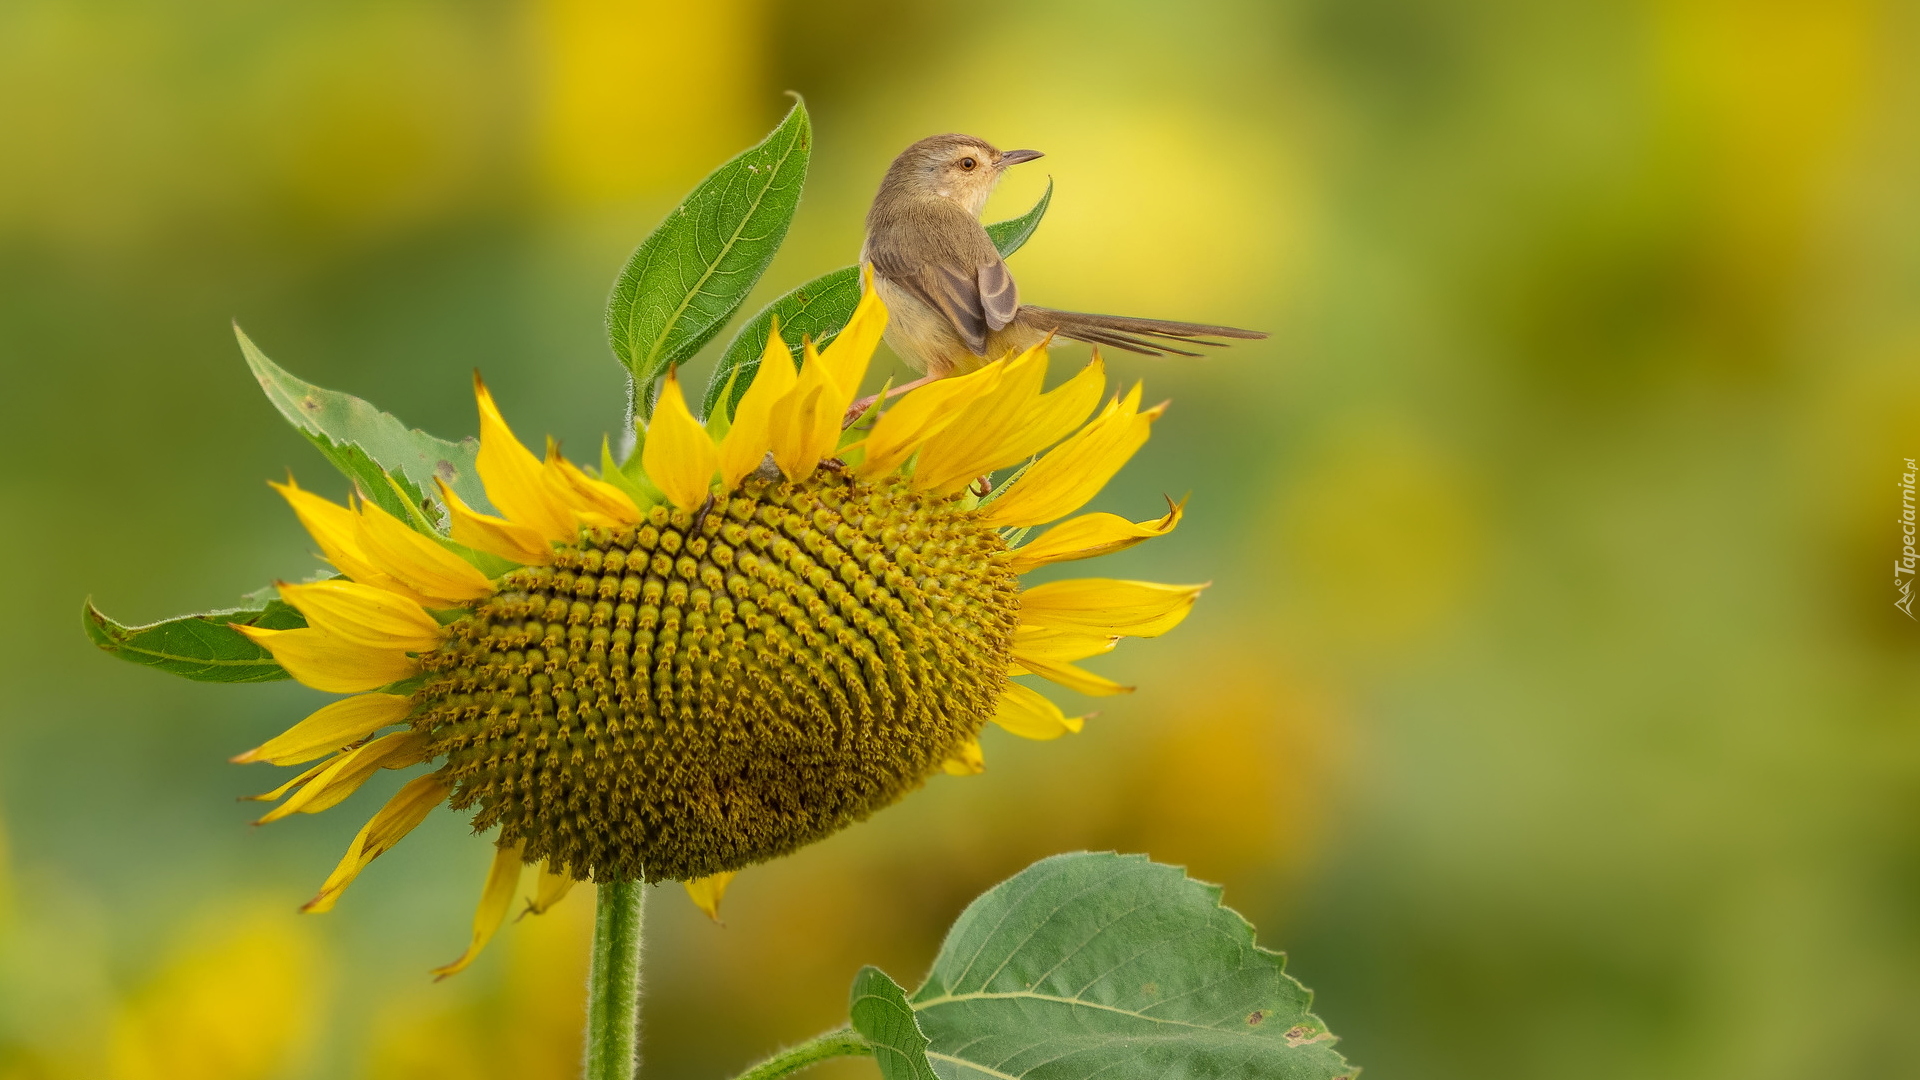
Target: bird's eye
[[968, 163]]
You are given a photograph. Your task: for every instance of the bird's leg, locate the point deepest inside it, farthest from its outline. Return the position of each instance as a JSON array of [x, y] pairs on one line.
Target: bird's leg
[[865, 403]]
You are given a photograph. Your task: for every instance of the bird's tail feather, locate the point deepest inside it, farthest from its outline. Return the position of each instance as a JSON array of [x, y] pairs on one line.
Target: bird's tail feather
[[1153, 337]]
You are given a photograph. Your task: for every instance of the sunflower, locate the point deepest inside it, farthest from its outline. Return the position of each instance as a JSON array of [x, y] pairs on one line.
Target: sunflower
[[758, 631]]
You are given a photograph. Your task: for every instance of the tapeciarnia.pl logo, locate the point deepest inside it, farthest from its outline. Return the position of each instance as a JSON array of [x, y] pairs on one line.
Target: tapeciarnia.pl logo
[[1903, 567]]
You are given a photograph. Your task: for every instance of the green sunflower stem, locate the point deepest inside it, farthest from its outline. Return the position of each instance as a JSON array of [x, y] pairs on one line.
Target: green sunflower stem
[[841, 1043], [613, 983]]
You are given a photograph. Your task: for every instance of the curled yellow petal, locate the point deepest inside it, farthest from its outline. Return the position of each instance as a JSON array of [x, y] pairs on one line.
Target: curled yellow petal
[[751, 435], [364, 615], [335, 725], [324, 662], [679, 456], [806, 422], [514, 478], [304, 778], [494, 535], [346, 772], [850, 351], [552, 888], [706, 892], [917, 416], [1027, 713], [1089, 536], [978, 436], [594, 502], [1049, 652], [1051, 417], [1108, 605], [1061, 643], [496, 897], [1071, 676], [417, 561], [846, 357], [402, 813], [336, 529], [969, 761], [1073, 472]]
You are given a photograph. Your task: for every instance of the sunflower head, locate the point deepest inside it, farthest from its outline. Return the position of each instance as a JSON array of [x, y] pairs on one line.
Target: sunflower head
[[757, 631], [713, 687]]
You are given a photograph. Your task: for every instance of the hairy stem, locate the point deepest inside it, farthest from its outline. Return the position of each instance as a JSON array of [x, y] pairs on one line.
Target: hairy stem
[[841, 1043], [613, 984]]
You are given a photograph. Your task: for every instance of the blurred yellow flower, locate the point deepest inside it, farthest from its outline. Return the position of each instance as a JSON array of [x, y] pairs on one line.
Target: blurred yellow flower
[[239, 1002], [762, 635]]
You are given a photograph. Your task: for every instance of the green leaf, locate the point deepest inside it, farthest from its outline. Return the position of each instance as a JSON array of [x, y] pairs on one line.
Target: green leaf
[[199, 647], [1112, 966], [391, 464], [880, 1013], [685, 281], [1012, 234], [820, 310]]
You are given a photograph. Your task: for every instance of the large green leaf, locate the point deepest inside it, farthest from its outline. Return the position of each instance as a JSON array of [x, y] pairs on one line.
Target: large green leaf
[[391, 463], [820, 310], [200, 647], [685, 281], [1112, 966]]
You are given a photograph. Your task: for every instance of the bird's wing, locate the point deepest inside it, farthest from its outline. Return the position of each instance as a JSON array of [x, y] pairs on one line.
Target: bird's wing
[[999, 298], [972, 288]]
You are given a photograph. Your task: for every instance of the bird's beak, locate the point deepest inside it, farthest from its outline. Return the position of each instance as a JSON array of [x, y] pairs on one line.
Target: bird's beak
[[1015, 157]]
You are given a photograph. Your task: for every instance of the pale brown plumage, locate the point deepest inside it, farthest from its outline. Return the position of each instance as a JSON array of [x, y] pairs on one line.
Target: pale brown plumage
[[952, 301]]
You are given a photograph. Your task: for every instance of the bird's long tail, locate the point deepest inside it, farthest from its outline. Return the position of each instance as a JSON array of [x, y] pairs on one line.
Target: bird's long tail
[[1153, 337]]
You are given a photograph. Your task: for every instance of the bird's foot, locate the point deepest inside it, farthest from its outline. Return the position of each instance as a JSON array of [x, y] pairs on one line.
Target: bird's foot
[[859, 408]]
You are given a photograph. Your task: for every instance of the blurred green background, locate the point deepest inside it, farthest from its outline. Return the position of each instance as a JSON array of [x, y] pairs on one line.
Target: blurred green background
[[1550, 707]]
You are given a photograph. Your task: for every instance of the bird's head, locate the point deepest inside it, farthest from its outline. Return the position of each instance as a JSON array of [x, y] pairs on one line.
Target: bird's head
[[957, 167]]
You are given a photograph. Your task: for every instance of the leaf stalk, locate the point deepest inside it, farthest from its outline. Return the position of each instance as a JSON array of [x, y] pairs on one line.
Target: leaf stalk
[[841, 1042]]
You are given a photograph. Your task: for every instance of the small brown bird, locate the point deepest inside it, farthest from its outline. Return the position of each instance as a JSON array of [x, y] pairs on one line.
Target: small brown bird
[[952, 303]]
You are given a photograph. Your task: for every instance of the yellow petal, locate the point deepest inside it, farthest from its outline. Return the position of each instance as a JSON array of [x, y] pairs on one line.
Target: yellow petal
[[751, 436], [806, 422], [496, 896], [335, 725], [515, 479], [1089, 536], [324, 662], [922, 412], [968, 762], [1071, 676], [406, 810], [594, 502], [967, 448], [1132, 608], [550, 890], [707, 891], [494, 535], [345, 773], [679, 457], [336, 529], [364, 615], [846, 357], [1073, 472], [1061, 643], [1048, 653], [1026, 713], [304, 778], [418, 562], [1050, 418]]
